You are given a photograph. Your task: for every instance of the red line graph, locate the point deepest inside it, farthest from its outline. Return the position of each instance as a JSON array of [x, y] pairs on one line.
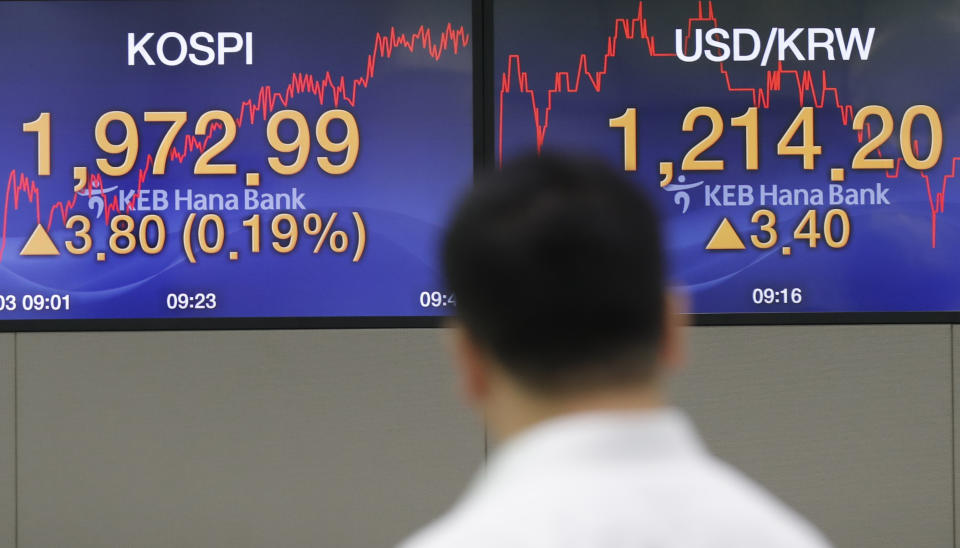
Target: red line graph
[[326, 88], [515, 79]]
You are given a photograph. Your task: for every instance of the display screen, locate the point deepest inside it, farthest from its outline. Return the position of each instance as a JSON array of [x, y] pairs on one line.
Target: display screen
[[255, 159], [269, 160], [802, 154]]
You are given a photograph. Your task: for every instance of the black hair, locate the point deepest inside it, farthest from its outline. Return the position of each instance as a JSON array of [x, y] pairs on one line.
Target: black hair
[[557, 268]]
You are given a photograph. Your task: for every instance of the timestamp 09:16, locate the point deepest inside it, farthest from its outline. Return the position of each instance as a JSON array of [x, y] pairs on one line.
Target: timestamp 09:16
[[785, 295]]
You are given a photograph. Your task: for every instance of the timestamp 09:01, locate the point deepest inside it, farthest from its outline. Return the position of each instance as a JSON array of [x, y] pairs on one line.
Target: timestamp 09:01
[[769, 295]]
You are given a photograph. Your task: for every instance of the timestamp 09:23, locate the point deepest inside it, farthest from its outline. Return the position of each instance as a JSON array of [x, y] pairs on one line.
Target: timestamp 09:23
[[191, 301]]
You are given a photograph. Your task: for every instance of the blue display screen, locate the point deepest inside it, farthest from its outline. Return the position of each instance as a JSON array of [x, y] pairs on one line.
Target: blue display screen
[[802, 154], [256, 159]]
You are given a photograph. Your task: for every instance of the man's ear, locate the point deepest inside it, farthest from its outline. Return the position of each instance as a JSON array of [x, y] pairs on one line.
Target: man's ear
[[473, 366], [673, 345]]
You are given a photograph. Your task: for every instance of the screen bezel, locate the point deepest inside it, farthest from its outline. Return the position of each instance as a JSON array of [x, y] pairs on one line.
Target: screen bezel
[[485, 9], [212, 323], [483, 118]]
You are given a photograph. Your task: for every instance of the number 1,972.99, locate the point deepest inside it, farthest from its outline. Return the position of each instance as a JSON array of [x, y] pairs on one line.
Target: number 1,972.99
[[215, 120]]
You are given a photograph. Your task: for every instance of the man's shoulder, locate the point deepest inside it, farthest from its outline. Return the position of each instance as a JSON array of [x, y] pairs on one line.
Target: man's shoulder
[[454, 529], [435, 535], [704, 503], [506, 518], [736, 501]]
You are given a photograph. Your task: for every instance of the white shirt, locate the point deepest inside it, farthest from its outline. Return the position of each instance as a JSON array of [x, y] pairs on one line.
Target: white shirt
[[612, 480]]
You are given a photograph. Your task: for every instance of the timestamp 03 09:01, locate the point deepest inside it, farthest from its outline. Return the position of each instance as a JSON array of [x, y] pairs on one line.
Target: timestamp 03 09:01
[[30, 303]]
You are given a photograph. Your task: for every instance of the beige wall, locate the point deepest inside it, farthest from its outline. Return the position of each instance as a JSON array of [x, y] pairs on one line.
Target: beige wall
[[7, 444], [353, 438], [852, 425]]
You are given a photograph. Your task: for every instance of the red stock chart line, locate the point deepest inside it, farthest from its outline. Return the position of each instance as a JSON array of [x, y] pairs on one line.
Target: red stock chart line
[[326, 89], [810, 86]]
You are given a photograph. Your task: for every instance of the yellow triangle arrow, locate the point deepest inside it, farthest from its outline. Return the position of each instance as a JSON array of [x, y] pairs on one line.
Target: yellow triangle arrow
[[39, 243], [725, 237]]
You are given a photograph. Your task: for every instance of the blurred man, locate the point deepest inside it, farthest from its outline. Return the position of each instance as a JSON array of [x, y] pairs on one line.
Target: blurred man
[[565, 334]]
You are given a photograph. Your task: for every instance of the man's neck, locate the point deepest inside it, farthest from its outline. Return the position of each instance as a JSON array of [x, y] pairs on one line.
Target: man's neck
[[516, 410]]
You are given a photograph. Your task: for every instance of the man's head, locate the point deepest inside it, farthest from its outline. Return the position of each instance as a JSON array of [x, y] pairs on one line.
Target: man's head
[[558, 272]]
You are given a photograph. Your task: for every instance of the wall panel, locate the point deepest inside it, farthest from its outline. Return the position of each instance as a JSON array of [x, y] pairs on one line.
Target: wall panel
[[852, 425], [237, 439]]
